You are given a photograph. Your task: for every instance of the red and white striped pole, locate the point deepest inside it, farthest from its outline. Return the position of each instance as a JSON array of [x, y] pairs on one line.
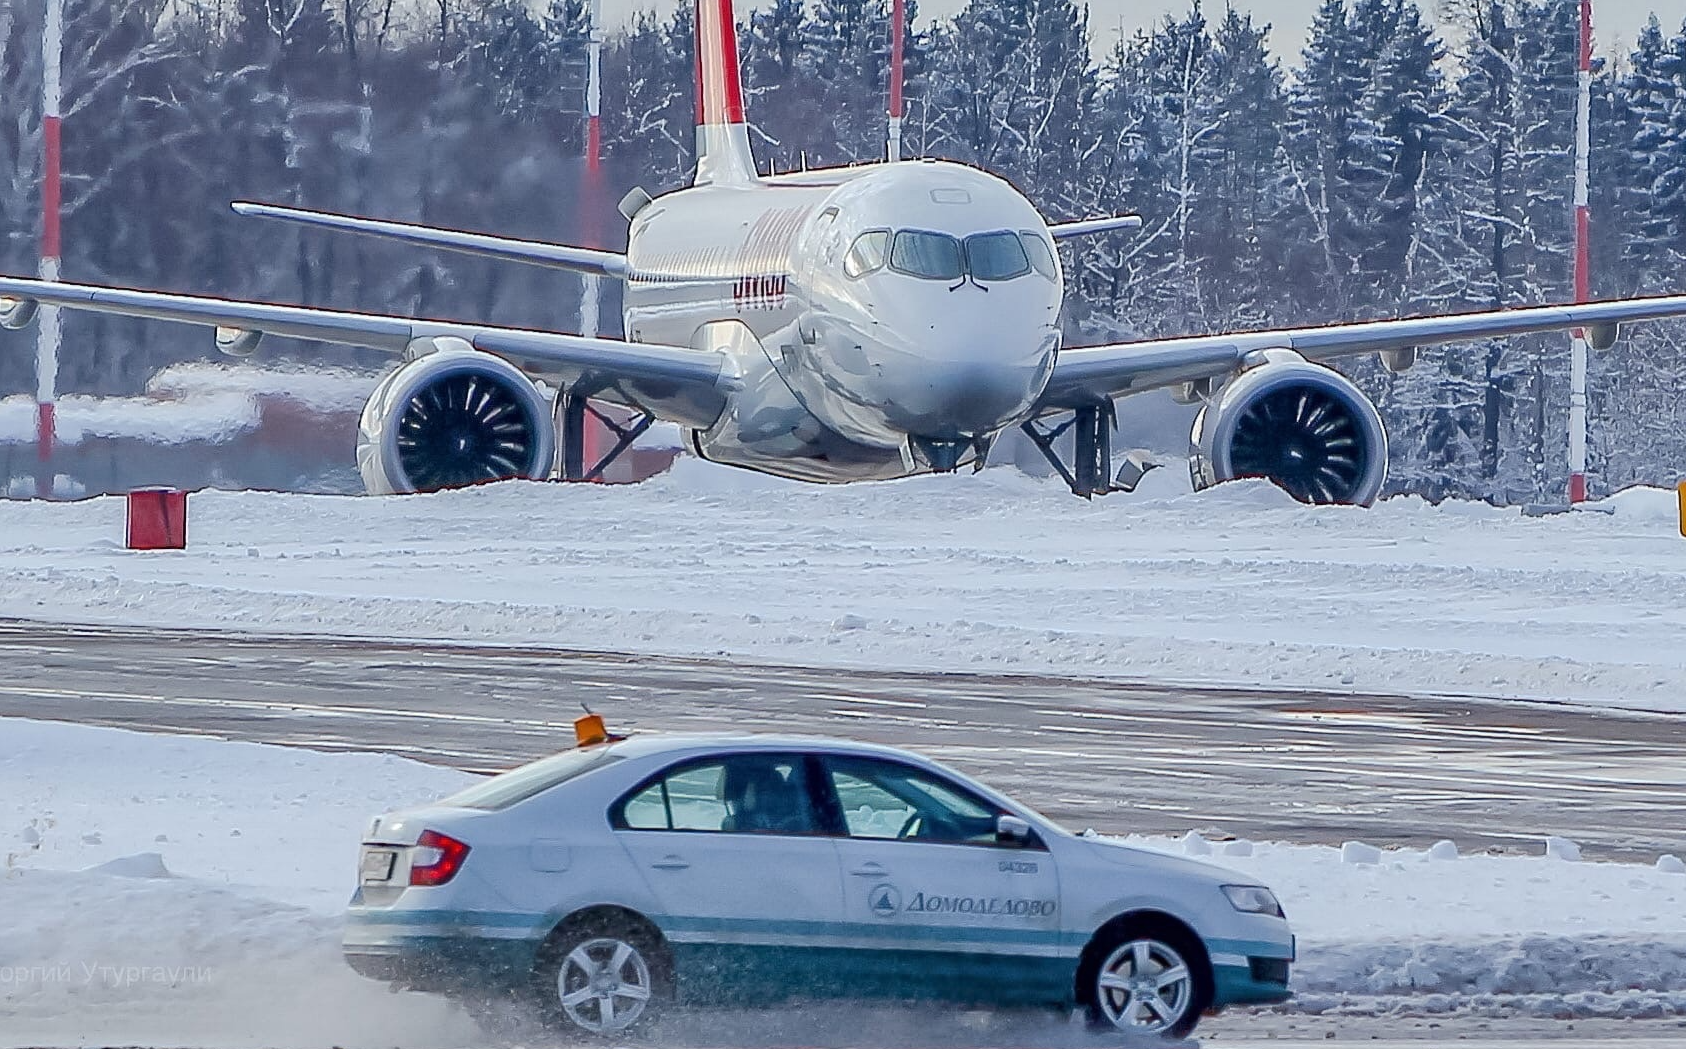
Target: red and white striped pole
[[590, 298], [594, 90], [1578, 347], [897, 16], [47, 335], [591, 294]]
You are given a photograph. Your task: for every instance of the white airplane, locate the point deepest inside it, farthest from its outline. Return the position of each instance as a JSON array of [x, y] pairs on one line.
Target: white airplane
[[835, 325]]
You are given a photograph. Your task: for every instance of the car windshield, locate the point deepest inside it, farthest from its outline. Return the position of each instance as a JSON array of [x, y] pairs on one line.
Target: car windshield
[[934, 256], [996, 256], [505, 789]]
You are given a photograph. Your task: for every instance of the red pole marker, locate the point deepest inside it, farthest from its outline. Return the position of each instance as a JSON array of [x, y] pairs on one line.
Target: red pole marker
[[47, 334], [1583, 263]]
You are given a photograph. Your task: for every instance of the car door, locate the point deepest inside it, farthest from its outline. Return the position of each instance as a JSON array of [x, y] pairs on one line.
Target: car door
[[936, 905], [733, 851]]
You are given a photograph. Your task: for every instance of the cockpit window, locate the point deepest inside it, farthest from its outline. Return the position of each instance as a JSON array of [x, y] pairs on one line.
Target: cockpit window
[[996, 256], [1041, 256], [867, 253], [934, 256]]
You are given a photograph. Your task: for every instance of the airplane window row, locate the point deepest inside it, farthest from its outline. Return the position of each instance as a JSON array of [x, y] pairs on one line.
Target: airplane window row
[[997, 256]]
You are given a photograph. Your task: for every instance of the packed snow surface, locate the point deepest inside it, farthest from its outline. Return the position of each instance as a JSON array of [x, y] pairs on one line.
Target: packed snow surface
[[186, 891], [989, 572]]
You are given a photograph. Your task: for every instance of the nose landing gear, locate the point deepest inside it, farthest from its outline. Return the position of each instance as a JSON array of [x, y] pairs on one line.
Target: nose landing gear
[[948, 454], [1090, 472]]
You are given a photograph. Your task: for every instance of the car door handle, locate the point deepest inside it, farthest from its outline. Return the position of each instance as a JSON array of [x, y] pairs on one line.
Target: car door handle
[[670, 863], [870, 870]]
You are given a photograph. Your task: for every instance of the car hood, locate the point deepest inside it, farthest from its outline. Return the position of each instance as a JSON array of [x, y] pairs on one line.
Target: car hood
[[1166, 863]]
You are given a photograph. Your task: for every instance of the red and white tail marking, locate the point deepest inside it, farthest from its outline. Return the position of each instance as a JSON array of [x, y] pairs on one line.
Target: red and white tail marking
[[723, 154], [719, 92]]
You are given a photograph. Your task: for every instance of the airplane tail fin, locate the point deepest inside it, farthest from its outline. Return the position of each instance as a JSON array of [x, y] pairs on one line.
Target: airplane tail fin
[[723, 154]]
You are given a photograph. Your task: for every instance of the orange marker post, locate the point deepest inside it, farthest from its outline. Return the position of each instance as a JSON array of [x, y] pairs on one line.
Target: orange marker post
[[1682, 493]]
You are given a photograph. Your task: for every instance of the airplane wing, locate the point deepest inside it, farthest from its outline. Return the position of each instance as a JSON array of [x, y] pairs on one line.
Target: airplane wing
[[631, 373], [1084, 375], [557, 256]]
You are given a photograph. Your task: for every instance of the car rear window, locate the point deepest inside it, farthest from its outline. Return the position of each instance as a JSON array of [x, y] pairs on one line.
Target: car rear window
[[516, 785]]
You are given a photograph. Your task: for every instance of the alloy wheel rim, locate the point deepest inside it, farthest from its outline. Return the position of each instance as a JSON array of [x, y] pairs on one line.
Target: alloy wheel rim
[[1144, 986], [604, 985]]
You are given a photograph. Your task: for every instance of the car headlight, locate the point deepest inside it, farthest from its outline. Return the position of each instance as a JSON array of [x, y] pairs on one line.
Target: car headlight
[[1253, 899]]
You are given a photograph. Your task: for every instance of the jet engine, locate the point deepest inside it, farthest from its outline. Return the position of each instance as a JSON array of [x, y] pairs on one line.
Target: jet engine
[[1305, 427], [451, 418]]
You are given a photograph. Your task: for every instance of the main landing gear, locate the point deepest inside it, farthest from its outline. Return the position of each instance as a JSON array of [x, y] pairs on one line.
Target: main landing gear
[[1090, 473], [569, 415]]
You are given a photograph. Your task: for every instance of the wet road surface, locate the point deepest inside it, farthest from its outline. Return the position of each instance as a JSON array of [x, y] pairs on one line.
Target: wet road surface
[[1118, 757]]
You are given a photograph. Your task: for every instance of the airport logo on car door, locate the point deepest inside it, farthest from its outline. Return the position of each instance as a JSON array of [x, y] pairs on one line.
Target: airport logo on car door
[[885, 901]]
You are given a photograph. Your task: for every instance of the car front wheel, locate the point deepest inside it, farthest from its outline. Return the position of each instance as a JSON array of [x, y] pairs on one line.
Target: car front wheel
[[1146, 982]]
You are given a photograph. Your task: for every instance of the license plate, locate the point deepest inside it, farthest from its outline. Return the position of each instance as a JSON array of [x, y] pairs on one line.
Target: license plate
[[377, 864]]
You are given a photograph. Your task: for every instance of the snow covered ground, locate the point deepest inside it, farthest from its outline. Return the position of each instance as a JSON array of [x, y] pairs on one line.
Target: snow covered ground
[[185, 891], [994, 572]]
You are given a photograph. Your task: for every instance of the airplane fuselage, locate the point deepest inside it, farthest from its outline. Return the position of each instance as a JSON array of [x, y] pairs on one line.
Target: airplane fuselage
[[885, 320]]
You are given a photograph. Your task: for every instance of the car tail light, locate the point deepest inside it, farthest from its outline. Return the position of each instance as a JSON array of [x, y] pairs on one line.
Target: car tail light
[[437, 858]]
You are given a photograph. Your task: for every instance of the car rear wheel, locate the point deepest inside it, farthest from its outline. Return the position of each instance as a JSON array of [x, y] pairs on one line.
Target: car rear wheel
[[601, 978], [1146, 982]]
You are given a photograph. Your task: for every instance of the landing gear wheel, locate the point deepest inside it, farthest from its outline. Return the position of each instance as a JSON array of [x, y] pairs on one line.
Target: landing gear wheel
[[1148, 982], [601, 979]]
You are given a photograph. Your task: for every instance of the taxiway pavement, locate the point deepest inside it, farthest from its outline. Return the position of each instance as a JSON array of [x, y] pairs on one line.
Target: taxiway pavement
[[1120, 757]]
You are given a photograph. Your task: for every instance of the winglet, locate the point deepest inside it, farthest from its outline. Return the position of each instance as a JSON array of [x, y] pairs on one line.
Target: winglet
[[723, 154]]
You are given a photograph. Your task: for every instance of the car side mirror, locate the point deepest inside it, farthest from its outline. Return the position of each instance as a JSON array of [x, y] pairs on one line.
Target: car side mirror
[[1010, 830]]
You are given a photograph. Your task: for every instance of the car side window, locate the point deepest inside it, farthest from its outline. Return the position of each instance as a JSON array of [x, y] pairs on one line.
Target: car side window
[[869, 811], [647, 809], [886, 800], [741, 794], [695, 799]]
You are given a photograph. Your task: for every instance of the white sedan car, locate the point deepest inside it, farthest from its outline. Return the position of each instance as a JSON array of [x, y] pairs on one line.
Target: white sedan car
[[604, 881]]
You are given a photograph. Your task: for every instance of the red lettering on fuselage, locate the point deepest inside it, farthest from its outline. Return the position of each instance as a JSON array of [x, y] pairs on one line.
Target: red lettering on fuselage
[[759, 292]]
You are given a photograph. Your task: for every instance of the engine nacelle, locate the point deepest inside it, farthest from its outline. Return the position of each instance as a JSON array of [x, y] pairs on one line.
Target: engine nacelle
[[1302, 426], [452, 418], [16, 314]]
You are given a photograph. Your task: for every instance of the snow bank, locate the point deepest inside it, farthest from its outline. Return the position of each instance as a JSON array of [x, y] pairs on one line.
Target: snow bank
[[190, 402], [1425, 932], [216, 417], [102, 959], [321, 389], [186, 891], [992, 572]]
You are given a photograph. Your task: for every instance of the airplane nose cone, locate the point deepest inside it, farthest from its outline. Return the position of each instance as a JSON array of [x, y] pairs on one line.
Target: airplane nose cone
[[968, 397]]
